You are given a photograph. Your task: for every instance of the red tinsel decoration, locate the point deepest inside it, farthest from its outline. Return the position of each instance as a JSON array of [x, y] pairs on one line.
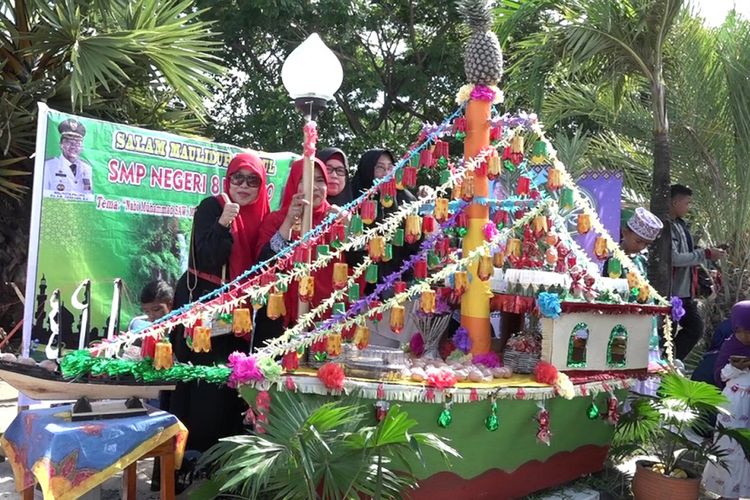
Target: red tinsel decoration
[[442, 149], [290, 361], [399, 287], [426, 159], [148, 347], [420, 269], [428, 224], [320, 345], [337, 232], [459, 124], [496, 133], [524, 184], [332, 376], [409, 178], [545, 373]]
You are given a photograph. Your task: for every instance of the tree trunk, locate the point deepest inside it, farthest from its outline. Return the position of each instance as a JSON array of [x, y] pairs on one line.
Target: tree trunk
[[660, 255], [14, 245]]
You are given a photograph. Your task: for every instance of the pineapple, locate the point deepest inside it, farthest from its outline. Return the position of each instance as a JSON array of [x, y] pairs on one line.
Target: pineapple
[[483, 59]]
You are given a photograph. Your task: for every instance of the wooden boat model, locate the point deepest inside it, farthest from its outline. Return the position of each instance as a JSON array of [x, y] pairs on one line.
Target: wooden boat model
[[42, 384]]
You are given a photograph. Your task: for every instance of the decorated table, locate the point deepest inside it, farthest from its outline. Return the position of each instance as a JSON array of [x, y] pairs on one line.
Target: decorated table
[[69, 458]]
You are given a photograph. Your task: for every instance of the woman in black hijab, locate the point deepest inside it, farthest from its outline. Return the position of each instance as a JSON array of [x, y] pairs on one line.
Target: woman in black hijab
[[376, 164], [339, 190]]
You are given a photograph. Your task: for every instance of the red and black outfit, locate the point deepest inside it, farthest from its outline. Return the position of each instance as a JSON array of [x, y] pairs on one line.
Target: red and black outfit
[[217, 254]]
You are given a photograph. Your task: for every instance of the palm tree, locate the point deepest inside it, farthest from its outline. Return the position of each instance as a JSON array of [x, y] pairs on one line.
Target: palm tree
[[315, 451], [145, 62], [709, 131], [619, 42]]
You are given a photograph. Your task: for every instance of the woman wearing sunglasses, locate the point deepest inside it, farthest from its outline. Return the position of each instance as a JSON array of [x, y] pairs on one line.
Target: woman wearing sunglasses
[[223, 246]]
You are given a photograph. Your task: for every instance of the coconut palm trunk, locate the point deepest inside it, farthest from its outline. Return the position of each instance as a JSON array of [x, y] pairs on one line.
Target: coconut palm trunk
[[660, 256]]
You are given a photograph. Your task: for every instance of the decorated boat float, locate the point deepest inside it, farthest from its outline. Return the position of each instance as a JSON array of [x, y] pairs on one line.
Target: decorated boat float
[[535, 412]]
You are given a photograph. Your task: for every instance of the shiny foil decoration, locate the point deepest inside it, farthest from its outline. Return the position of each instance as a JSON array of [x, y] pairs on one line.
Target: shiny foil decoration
[[441, 209], [376, 248], [467, 187], [498, 260], [513, 247], [201, 339], [539, 225], [524, 186], [409, 178], [441, 150], [426, 158], [494, 167], [387, 192], [600, 248], [242, 322], [485, 269], [361, 337], [584, 223], [276, 307], [460, 282], [554, 179], [397, 319], [429, 225], [340, 274], [420, 269], [163, 355], [306, 288], [413, 230], [333, 346], [427, 302], [368, 211]]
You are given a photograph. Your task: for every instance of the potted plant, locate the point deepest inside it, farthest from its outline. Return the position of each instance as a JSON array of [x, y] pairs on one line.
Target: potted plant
[[659, 426], [320, 451]]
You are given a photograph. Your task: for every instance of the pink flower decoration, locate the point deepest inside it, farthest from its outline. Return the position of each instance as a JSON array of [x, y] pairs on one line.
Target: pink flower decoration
[[490, 231], [263, 401], [291, 385], [490, 360], [482, 93], [441, 380], [416, 344], [244, 369]]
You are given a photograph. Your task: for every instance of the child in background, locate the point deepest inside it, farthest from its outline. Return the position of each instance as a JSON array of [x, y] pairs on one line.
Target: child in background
[[156, 301], [733, 370]]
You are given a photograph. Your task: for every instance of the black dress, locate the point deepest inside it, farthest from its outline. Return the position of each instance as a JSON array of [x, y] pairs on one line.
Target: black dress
[[209, 411]]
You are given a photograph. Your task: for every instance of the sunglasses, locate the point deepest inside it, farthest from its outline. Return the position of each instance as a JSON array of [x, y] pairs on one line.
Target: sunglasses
[[252, 181]]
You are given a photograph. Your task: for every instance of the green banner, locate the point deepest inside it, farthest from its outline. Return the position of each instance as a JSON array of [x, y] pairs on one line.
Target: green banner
[[117, 202]]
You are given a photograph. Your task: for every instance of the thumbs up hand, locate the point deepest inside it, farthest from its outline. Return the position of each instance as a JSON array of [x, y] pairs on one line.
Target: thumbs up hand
[[230, 211]]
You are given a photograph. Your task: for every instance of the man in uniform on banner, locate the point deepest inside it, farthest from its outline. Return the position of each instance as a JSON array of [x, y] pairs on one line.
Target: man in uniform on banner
[[68, 176]]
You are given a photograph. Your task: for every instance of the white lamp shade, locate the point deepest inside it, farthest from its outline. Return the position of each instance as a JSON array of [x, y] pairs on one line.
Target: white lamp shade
[[312, 70]]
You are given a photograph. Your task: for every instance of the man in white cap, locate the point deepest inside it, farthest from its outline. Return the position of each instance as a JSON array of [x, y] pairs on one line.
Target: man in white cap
[[639, 232], [68, 176]]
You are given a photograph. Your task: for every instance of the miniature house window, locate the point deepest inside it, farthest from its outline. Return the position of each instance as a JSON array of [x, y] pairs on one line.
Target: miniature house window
[[577, 347], [617, 347]]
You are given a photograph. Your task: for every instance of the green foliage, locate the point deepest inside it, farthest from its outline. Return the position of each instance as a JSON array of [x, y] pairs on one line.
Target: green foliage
[[402, 66], [331, 447], [656, 426]]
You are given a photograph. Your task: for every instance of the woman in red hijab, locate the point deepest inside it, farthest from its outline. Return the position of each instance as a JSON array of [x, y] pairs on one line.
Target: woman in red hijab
[[282, 227], [223, 246]]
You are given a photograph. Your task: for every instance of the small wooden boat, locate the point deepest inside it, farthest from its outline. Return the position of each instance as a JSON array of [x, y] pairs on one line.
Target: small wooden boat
[[42, 384]]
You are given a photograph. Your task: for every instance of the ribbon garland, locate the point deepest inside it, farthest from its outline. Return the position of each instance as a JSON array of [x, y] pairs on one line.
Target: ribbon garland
[[284, 344]]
